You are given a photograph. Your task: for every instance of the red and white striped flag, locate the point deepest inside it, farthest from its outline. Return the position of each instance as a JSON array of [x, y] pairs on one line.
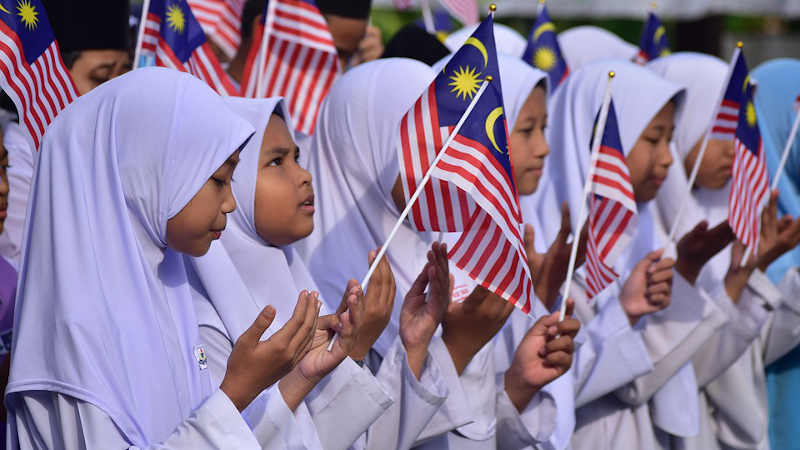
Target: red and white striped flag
[[750, 186], [31, 70], [724, 126], [293, 57], [221, 21], [612, 210], [173, 38], [472, 186], [466, 11]]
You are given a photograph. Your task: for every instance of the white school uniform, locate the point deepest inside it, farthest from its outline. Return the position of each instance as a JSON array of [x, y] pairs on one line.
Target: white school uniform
[[730, 368], [353, 162], [107, 352]]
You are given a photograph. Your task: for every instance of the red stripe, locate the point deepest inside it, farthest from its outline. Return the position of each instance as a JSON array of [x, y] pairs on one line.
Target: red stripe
[[301, 34]]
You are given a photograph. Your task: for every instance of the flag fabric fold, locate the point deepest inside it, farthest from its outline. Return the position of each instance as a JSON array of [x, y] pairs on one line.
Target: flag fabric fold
[[653, 43], [750, 180], [612, 209], [221, 21]]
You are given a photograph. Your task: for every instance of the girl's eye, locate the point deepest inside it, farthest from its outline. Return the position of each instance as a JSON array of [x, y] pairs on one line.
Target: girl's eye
[[275, 162], [220, 183], [652, 141]]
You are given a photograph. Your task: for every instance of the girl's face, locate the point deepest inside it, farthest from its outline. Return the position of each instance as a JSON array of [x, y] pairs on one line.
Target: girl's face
[[94, 67], [527, 142], [204, 217], [284, 208], [650, 157], [717, 166]]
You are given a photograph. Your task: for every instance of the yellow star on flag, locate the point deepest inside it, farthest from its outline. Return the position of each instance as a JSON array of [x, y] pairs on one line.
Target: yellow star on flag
[[176, 19], [27, 13], [465, 82], [544, 59], [750, 114]]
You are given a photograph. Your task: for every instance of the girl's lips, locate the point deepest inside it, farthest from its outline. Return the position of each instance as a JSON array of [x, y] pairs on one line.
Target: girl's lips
[[658, 181], [217, 233], [3, 213], [308, 204]]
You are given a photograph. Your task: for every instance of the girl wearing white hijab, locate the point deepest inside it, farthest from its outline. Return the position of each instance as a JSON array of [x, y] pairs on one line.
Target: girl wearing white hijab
[[273, 195], [359, 169], [586, 44], [730, 368], [645, 106], [107, 352], [594, 372]]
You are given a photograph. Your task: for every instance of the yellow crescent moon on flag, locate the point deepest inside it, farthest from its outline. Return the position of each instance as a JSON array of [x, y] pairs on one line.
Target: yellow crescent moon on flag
[[659, 32], [2, 8], [490, 121], [481, 48], [543, 28]]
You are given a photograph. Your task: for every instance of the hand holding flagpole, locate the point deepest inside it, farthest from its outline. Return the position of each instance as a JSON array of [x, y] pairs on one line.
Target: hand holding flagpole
[[703, 146], [598, 134], [784, 158]]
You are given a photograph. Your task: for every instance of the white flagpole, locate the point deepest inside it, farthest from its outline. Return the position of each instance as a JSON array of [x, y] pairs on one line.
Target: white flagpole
[[598, 135], [427, 16], [703, 146], [781, 166], [137, 54], [420, 187]]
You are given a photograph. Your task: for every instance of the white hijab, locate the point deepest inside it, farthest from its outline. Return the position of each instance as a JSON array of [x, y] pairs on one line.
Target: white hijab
[[263, 273], [586, 44], [104, 313], [704, 77], [354, 163], [638, 95], [507, 39]]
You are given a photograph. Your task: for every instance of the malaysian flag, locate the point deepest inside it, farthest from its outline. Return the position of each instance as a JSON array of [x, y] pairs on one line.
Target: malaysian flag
[[724, 126], [543, 51], [221, 21], [750, 186], [173, 38], [465, 11], [293, 57], [31, 70], [653, 43], [612, 210], [472, 189]]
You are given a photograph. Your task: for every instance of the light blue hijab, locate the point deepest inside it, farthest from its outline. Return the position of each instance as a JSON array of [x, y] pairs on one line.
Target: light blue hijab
[[778, 88]]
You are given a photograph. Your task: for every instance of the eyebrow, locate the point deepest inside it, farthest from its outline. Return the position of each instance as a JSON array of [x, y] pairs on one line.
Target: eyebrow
[[283, 151]]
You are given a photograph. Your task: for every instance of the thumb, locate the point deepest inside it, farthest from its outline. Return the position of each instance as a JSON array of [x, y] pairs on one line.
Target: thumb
[[528, 239], [252, 335], [651, 258]]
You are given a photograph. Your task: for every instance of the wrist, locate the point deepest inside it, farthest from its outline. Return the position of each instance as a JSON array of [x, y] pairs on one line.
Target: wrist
[[459, 353], [294, 388], [689, 272], [239, 399], [518, 390]]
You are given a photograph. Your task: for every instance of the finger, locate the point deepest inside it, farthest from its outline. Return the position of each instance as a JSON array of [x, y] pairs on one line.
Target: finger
[[660, 277], [419, 285], [543, 324], [658, 301], [648, 260], [291, 327], [309, 322], [568, 327], [562, 344], [566, 223], [528, 239], [356, 310], [252, 335], [666, 264], [561, 360], [660, 288], [352, 283], [570, 308]]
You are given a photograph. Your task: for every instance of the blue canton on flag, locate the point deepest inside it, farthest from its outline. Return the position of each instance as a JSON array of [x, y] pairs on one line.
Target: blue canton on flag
[[653, 43], [543, 51]]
